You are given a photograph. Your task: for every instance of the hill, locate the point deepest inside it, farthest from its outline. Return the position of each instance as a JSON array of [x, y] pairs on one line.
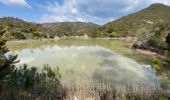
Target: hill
[[70, 28], [19, 29], [137, 23]]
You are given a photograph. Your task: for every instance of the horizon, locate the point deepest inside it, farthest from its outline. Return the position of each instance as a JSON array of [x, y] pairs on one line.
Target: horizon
[[50, 11]]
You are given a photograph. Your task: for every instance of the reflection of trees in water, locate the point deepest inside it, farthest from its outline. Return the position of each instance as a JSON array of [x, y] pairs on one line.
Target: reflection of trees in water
[[113, 45], [33, 44]]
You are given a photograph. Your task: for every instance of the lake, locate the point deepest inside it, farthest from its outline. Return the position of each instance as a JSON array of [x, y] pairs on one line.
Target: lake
[[94, 59]]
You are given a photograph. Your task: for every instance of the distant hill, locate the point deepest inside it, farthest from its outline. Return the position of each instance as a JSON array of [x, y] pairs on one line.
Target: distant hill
[[137, 23], [20, 29], [71, 28]]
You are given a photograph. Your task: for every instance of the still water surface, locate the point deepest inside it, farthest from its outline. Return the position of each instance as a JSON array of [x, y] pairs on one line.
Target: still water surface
[[93, 58]]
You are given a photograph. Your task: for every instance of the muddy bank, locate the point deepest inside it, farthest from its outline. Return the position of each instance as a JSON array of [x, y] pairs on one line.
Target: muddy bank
[[150, 54]]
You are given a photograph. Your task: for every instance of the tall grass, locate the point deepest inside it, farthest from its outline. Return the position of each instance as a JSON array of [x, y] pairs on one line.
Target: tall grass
[[49, 85], [90, 90]]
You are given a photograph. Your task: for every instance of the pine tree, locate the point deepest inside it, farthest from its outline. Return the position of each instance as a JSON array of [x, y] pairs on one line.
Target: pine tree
[[6, 61]]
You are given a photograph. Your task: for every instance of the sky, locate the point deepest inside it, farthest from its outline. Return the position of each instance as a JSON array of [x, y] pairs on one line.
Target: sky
[[96, 11]]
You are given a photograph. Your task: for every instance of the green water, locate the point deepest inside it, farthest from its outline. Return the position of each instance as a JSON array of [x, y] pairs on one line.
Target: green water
[[93, 58], [118, 46]]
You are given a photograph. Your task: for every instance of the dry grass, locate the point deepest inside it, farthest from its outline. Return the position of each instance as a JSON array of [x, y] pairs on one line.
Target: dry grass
[[74, 87], [90, 90]]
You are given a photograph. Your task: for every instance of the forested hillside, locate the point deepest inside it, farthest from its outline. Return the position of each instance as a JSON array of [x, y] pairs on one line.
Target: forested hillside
[[70, 28], [137, 23], [19, 29]]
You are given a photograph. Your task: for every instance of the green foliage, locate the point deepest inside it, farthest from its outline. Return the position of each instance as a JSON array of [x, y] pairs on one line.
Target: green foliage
[[168, 43], [156, 39], [27, 78], [160, 32], [21, 29], [30, 83], [156, 61], [168, 54], [94, 34], [24, 30], [18, 35], [139, 22], [110, 30], [23, 77], [133, 96], [157, 68], [36, 34], [33, 29], [3, 48], [6, 62], [141, 31], [51, 73], [114, 34], [168, 40], [157, 65]]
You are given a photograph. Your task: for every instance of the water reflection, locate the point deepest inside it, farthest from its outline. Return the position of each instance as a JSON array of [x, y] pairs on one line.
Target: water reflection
[[94, 59]]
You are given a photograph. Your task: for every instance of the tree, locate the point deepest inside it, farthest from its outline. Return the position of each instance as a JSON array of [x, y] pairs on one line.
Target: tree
[[168, 43], [168, 40], [6, 62]]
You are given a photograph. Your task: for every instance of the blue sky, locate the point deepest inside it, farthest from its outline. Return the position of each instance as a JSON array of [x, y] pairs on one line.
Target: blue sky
[[96, 11]]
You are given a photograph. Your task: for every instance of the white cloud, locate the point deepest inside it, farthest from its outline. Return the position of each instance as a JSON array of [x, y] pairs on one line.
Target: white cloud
[[97, 11], [55, 18], [167, 2], [21, 3]]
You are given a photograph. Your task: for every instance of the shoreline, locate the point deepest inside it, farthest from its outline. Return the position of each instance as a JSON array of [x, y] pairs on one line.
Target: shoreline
[[150, 54], [76, 37]]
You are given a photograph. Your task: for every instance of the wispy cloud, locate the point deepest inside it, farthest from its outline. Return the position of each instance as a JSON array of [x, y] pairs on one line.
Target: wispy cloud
[[20, 3], [93, 11]]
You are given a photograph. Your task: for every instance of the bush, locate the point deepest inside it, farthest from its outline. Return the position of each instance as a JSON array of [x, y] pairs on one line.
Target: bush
[[26, 83], [18, 35], [156, 61], [26, 78], [36, 34]]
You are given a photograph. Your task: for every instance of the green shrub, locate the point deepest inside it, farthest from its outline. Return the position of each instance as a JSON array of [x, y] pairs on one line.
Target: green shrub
[[157, 65], [36, 34], [156, 61], [6, 62], [26, 78], [18, 35]]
